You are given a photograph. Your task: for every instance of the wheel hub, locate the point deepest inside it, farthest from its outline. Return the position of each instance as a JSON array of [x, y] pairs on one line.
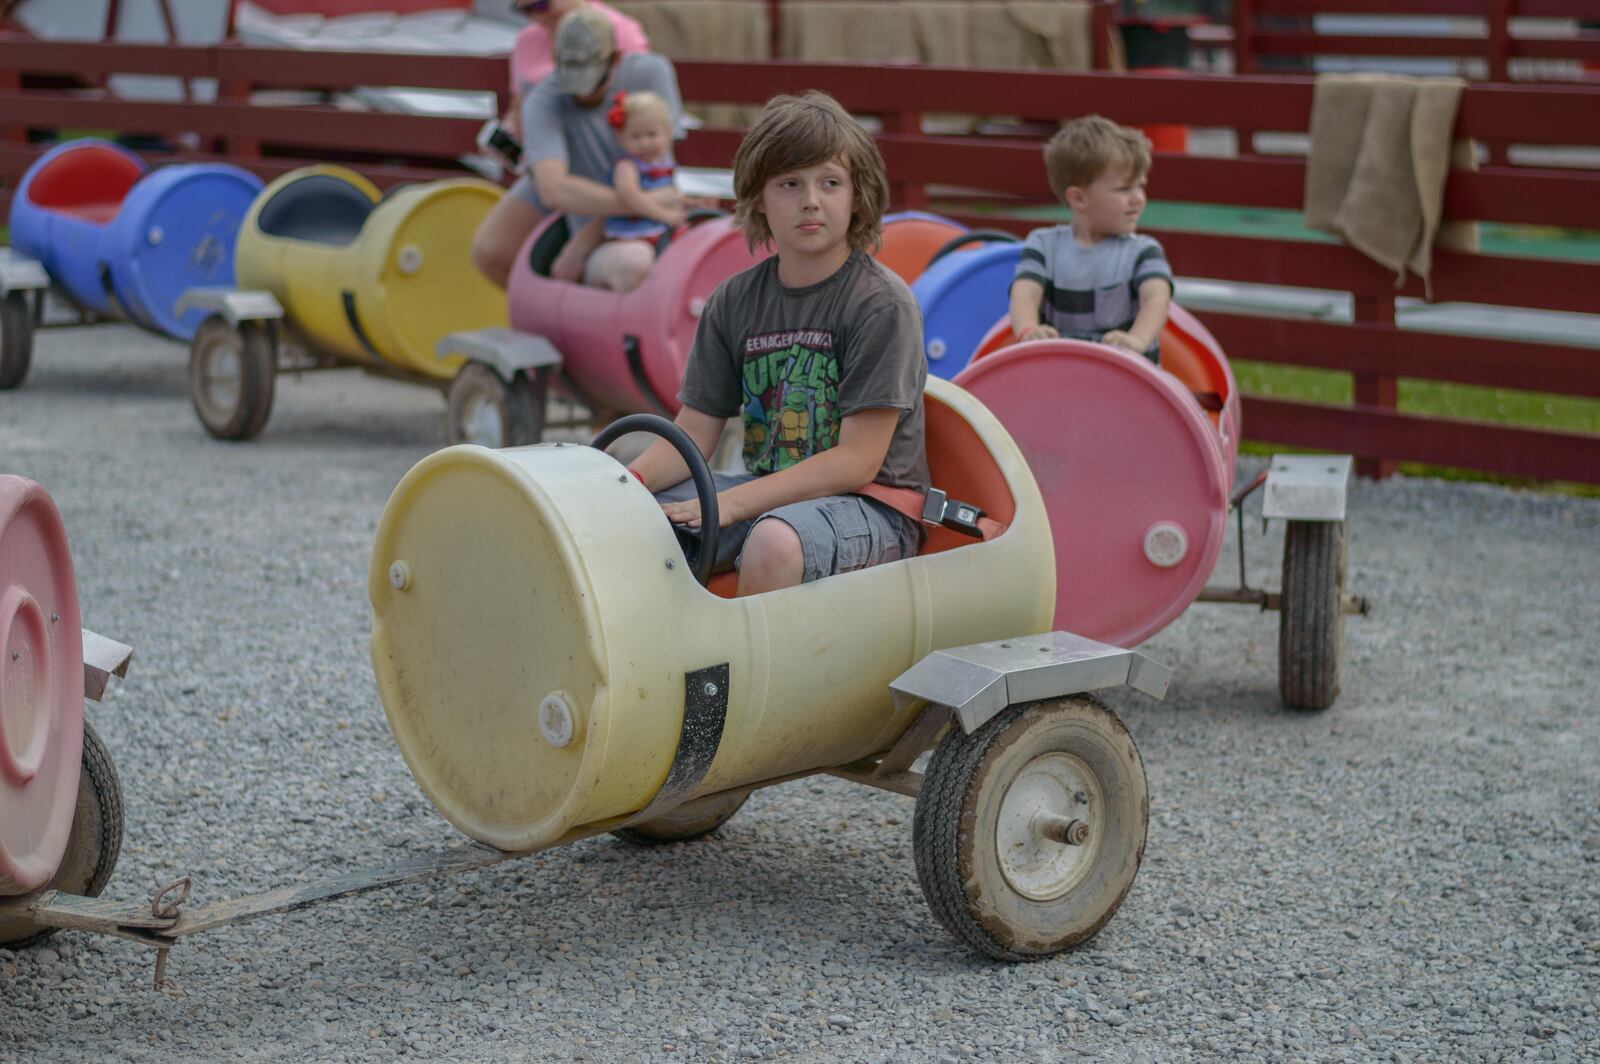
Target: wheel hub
[[221, 376], [1049, 828]]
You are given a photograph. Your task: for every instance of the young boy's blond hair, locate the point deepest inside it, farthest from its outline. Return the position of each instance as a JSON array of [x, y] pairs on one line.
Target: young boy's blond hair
[[794, 132], [1087, 147]]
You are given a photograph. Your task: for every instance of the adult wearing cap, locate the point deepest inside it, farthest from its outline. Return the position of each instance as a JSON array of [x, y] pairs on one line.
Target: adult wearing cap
[[568, 146], [532, 61]]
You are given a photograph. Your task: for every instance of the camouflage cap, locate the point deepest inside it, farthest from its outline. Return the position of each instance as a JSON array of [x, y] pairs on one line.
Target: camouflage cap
[[584, 44]]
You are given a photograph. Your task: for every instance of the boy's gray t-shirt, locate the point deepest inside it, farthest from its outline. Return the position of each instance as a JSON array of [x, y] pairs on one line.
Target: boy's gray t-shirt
[[1089, 291], [794, 362], [555, 127]]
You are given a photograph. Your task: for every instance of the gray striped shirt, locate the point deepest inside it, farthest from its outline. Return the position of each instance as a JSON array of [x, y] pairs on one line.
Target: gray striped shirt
[[1089, 291]]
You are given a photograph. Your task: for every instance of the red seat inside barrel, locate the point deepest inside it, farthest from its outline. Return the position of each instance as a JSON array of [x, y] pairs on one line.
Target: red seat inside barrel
[[89, 183], [960, 465]]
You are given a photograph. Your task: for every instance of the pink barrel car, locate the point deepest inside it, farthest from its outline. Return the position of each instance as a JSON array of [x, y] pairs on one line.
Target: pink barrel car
[[60, 802], [616, 353], [1136, 465]]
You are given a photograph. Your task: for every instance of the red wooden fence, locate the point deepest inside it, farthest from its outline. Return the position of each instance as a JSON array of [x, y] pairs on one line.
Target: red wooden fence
[[394, 147], [1283, 28]]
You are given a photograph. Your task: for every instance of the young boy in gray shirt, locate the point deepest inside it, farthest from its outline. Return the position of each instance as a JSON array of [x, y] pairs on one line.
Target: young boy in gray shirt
[[819, 350], [1095, 279]]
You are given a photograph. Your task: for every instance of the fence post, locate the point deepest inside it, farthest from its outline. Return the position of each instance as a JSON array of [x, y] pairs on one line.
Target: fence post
[[1102, 24], [1375, 389], [232, 90], [905, 195], [1499, 44], [1244, 53]]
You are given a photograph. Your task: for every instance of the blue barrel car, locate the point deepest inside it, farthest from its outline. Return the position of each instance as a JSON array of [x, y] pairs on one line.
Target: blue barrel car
[[117, 238]]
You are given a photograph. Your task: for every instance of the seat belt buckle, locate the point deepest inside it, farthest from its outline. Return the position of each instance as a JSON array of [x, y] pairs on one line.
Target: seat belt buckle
[[940, 509]]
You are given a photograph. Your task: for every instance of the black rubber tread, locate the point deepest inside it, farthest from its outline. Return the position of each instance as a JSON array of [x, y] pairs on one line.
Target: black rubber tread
[[258, 371], [946, 808], [1311, 615], [521, 403], [95, 843], [532, 399], [16, 339], [685, 822]]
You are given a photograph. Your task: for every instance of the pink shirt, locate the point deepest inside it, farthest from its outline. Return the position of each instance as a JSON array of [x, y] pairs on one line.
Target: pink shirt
[[531, 61]]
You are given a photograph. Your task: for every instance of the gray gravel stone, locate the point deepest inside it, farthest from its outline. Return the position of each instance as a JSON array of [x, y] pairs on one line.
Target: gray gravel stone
[[1315, 886]]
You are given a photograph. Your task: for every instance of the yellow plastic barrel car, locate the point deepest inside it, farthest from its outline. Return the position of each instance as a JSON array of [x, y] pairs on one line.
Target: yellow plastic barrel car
[[552, 668], [361, 279]]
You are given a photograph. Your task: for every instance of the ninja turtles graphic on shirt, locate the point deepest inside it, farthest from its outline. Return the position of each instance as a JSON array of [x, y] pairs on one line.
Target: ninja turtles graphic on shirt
[[791, 398]]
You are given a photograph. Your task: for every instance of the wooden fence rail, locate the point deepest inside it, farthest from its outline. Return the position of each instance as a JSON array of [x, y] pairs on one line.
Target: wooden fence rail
[[1003, 170], [1283, 28]]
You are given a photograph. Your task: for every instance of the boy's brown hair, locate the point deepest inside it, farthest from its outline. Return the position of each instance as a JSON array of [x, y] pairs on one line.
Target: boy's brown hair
[[793, 132], [1087, 147]]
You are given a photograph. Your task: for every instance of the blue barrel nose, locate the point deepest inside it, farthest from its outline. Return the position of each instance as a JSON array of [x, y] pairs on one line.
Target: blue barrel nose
[[176, 231], [962, 295]]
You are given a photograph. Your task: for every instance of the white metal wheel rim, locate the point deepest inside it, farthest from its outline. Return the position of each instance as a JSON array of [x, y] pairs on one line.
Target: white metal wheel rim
[[221, 376], [1037, 867], [483, 423]]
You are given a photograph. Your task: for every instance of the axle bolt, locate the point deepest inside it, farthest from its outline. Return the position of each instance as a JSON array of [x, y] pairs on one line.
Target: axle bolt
[[1061, 829]]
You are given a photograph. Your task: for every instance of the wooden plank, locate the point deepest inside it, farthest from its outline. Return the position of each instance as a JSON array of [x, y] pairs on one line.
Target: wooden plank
[[1539, 284], [1530, 114], [93, 59], [14, 162], [1585, 47], [1456, 8], [315, 68], [1290, 42], [324, 127], [1518, 452], [1367, 348], [1307, 8], [1200, 99]]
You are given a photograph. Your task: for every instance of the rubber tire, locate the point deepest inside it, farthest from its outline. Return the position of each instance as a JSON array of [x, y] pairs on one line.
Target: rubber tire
[[93, 846], [258, 371], [521, 404], [689, 821], [954, 828], [16, 339], [1311, 613]]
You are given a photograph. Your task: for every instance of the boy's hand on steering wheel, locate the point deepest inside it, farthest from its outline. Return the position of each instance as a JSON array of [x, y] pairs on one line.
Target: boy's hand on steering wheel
[[1040, 332], [687, 513], [1118, 338]]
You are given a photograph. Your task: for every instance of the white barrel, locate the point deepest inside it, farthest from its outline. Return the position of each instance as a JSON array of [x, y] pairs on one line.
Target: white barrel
[[534, 624]]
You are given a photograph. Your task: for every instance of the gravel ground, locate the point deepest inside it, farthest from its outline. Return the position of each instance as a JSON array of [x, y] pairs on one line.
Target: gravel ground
[[1411, 875]]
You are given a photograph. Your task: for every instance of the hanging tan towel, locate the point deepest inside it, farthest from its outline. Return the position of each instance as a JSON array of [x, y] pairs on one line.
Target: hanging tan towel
[[706, 29], [1380, 155], [942, 32], [1057, 35], [702, 29], [827, 32]]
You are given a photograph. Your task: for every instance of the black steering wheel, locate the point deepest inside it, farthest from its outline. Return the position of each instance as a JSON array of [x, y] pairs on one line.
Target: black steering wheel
[[693, 218], [699, 547], [977, 236]]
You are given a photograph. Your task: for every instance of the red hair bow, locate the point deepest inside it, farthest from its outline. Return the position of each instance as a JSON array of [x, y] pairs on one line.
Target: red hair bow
[[618, 114]]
